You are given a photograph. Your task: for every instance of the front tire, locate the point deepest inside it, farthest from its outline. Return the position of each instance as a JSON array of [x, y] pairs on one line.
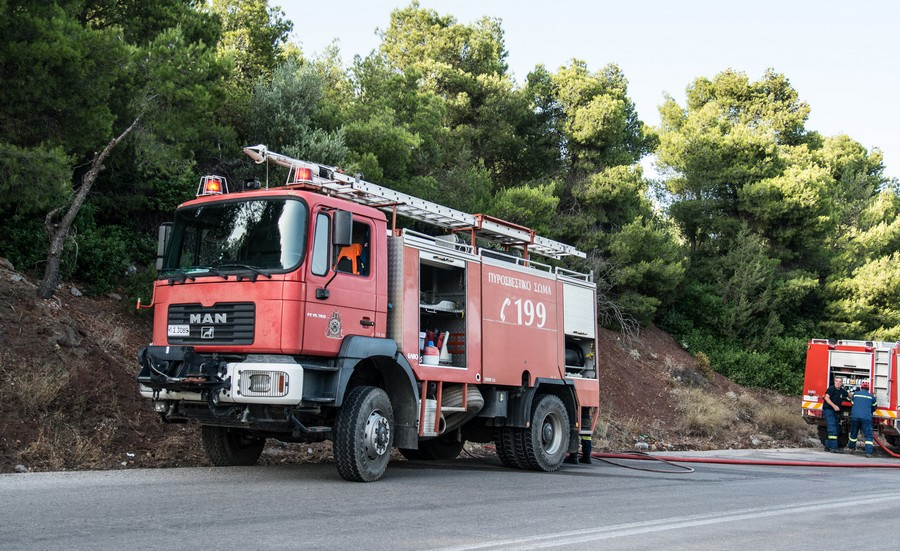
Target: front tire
[[227, 447], [364, 434]]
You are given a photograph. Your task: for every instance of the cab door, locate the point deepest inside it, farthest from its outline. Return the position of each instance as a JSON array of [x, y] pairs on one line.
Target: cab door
[[341, 289]]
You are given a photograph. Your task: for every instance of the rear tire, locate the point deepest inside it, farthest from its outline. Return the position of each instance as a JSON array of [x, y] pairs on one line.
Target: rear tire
[[364, 434], [411, 454], [442, 448], [227, 447], [506, 447], [844, 436], [543, 446], [823, 435]]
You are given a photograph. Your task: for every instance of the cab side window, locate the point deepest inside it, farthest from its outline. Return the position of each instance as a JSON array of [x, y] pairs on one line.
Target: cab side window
[[321, 242], [354, 258]]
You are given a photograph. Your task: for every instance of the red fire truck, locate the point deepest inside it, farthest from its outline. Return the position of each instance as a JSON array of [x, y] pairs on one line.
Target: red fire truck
[[856, 362], [295, 313]]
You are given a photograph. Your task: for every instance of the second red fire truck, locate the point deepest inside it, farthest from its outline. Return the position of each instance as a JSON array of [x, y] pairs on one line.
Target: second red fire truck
[[856, 362]]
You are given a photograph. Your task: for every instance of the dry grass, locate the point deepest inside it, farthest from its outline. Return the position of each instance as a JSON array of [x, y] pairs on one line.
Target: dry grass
[[702, 414], [110, 334], [277, 452], [33, 387], [623, 433], [113, 340], [685, 375], [60, 445], [747, 407], [704, 365], [782, 421]]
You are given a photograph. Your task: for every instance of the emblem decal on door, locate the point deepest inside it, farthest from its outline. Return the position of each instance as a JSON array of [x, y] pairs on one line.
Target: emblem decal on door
[[333, 331]]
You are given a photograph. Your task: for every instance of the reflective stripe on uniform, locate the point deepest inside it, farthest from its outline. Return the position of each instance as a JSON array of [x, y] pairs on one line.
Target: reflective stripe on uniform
[[832, 437]]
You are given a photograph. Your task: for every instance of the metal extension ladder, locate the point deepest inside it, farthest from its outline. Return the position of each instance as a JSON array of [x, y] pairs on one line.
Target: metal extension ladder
[[331, 180]]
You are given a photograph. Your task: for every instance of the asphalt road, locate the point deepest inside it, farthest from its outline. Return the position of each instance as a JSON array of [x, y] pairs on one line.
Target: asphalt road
[[460, 505]]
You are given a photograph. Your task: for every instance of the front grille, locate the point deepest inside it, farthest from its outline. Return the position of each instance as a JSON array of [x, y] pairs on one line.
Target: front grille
[[223, 323]]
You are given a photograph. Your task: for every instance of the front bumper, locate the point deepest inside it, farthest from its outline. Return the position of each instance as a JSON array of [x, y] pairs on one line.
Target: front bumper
[[179, 373]]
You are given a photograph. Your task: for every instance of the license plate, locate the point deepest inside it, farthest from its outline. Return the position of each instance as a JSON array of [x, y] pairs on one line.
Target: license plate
[[179, 330]]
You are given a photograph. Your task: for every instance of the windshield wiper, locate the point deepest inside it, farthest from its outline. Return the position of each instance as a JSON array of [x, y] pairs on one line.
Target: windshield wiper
[[214, 272], [256, 271], [180, 277]]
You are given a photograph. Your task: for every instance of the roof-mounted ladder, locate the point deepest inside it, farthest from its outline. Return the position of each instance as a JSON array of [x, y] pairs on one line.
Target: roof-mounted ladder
[[331, 180]]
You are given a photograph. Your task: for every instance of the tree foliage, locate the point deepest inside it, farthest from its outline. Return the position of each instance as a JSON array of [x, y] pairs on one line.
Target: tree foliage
[[73, 73], [762, 232], [770, 211]]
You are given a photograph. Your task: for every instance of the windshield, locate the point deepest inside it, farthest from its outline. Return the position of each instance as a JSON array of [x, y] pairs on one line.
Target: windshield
[[257, 235]]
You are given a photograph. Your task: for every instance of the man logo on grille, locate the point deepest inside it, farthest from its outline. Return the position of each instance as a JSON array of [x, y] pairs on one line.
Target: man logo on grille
[[207, 332], [208, 318]]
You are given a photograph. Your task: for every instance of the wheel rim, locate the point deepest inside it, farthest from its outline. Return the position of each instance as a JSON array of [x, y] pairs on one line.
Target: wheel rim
[[551, 434], [377, 435]]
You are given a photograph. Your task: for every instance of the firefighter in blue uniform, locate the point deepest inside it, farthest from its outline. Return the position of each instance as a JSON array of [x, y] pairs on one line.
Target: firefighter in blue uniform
[[864, 404], [831, 409]]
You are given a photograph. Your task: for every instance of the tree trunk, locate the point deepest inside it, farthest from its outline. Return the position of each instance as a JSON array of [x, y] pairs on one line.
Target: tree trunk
[[59, 232]]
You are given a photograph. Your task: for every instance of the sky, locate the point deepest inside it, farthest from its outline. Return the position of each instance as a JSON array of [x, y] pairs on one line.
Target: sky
[[842, 57]]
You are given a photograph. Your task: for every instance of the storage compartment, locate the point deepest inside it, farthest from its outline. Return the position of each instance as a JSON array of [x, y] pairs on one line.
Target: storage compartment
[[578, 310], [580, 357], [442, 302], [854, 367]]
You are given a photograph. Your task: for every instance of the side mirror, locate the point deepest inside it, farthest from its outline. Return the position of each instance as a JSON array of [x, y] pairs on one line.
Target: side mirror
[[342, 231], [165, 233]]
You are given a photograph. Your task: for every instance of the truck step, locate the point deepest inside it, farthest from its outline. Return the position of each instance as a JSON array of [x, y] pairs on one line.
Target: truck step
[[313, 367], [450, 409]]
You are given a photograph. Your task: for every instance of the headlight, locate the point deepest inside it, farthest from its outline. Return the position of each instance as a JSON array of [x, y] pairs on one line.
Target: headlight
[[263, 383]]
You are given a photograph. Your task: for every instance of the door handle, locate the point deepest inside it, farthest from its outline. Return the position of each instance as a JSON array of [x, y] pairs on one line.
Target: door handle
[[366, 322]]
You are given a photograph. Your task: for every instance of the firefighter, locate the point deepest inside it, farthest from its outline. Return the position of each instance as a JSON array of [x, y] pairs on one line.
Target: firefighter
[[832, 411], [587, 446], [864, 404], [587, 442]]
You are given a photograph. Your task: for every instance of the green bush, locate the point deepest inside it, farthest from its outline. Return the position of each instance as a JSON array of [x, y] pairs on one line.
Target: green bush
[[25, 243], [101, 257], [778, 368]]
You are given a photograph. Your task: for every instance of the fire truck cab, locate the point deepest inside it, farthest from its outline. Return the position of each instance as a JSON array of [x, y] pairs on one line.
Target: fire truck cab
[[296, 313]]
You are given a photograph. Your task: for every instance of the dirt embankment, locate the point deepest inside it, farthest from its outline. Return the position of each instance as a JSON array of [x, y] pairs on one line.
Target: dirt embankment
[[69, 400]]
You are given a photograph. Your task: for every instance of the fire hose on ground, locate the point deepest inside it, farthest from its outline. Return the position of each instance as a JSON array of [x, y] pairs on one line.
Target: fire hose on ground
[[673, 461]]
